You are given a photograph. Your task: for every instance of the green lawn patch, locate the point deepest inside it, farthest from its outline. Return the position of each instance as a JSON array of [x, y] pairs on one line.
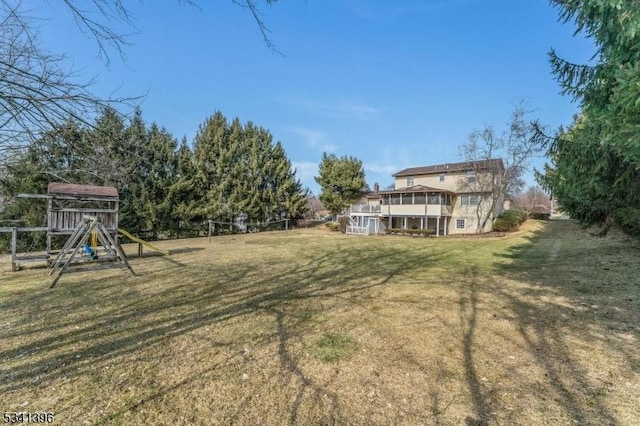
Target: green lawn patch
[[332, 347]]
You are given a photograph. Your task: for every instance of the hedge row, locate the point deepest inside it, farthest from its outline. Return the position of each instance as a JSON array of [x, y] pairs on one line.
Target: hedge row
[[418, 232], [540, 216], [510, 220]]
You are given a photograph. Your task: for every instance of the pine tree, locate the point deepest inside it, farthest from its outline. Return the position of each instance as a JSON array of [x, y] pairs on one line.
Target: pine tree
[[209, 144], [243, 172], [108, 142], [161, 175], [341, 181], [134, 162], [184, 193], [595, 168]]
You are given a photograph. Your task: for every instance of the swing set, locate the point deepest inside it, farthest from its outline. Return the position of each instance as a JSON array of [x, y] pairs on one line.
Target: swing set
[[88, 214], [90, 228]]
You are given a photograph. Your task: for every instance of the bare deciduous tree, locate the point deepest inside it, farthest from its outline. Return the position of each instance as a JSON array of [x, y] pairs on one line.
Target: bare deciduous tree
[[521, 141], [534, 199], [38, 92]]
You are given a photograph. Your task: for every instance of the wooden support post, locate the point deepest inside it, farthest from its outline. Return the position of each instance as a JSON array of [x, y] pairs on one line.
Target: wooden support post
[[67, 246], [63, 268], [209, 231], [286, 226], [48, 245], [118, 249], [14, 243], [438, 226], [105, 244], [49, 215], [139, 249]]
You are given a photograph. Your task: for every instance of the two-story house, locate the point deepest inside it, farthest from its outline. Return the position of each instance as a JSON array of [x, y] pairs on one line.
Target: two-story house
[[447, 198]]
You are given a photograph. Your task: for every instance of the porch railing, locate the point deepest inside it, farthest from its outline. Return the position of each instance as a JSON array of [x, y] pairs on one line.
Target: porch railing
[[358, 230], [365, 208]]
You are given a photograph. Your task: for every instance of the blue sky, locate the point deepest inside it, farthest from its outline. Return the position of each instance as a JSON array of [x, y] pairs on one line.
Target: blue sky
[[394, 83]]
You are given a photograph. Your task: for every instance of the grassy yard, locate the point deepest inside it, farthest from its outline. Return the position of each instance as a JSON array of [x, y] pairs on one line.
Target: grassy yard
[[538, 327]]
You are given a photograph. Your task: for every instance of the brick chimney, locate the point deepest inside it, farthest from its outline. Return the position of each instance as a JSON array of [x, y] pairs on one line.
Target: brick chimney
[[376, 188]]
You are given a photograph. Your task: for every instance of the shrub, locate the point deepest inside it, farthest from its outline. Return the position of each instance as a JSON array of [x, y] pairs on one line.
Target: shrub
[[333, 226], [516, 216], [504, 225], [540, 216], [509, 220], [628, 219]]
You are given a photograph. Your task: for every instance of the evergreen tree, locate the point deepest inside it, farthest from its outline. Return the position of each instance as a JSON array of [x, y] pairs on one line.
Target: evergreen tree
[[209, 144], [241, 171], [341, 181], [184, 194], [232, 169], [133, 165], [108, 142], [160, 152], [595, 168]]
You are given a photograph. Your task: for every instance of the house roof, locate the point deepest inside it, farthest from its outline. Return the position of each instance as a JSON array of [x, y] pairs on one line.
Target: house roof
[[416, 188], [83, 191], [452, 167]]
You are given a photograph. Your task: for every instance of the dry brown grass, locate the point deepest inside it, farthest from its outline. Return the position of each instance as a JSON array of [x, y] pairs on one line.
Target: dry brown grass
[[538, 327]]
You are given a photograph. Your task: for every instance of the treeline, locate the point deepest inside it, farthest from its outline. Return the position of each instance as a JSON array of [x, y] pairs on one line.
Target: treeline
[[230, 169], [594, 172]]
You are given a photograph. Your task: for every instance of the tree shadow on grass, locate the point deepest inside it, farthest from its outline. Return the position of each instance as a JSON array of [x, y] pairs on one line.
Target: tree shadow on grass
[[567, 293], [468, 313], [86, 325]]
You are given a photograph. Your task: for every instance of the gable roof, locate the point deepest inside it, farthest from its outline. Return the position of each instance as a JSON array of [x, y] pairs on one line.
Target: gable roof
[[74, 190], [452, 167], [415, 188]]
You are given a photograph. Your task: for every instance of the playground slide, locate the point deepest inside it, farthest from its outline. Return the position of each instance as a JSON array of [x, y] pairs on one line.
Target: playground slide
[[144, 243]]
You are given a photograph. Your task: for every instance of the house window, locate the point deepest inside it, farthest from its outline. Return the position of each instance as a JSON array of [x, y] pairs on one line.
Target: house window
[[433, 199], [460, 223], [471, 176], [468, 200], [409, 181], [407, 198], [441, 177]]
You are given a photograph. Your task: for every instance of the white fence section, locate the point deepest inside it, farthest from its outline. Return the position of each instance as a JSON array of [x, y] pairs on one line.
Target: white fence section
[[357, 230]]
